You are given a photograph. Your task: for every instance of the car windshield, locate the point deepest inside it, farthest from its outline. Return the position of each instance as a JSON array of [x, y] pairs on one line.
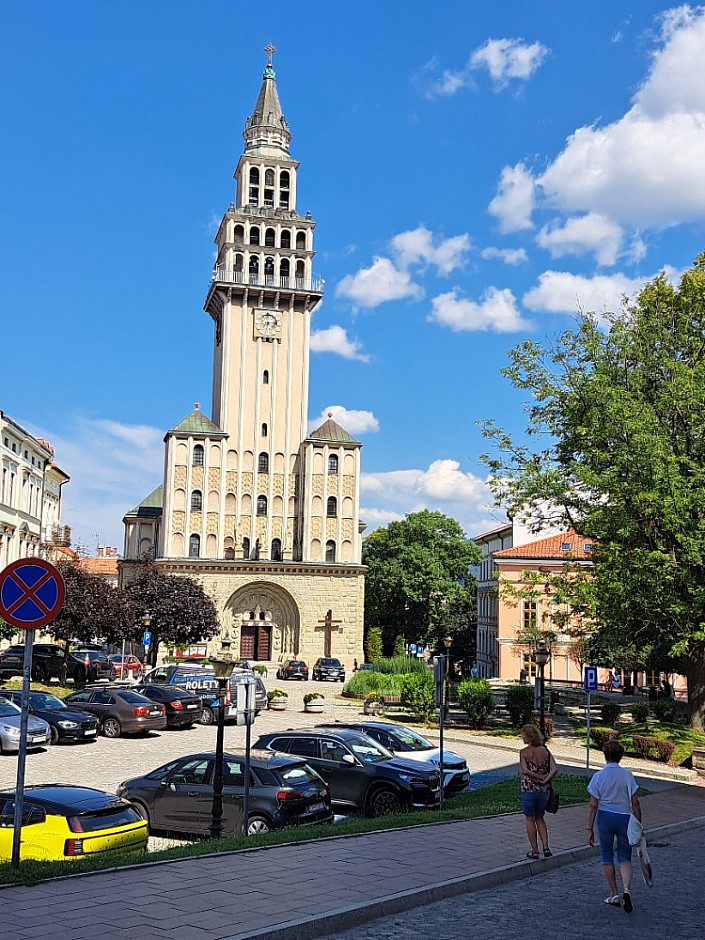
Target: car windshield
[[46, 700], [411, 740], [367, 750], [132, 698], [330, 662], [9, 709], [296, 663]]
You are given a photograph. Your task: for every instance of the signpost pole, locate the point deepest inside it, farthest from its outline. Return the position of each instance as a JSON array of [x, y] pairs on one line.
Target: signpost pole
[[22, 753], [587, 726], [249, 704], [590, 685]]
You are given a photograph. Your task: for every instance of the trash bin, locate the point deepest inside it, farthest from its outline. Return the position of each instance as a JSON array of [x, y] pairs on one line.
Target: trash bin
[[555, 699]]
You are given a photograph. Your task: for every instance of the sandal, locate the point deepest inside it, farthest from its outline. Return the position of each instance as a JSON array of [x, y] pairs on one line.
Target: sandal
[[547, 853], [615, 900], [628, 906], [532, 855]]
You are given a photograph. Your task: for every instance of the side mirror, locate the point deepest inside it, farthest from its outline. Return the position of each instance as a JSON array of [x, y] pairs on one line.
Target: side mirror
[[172, 786], [349, 759]]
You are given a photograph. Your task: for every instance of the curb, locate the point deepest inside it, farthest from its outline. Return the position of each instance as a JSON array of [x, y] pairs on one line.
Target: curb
[[354, 915]]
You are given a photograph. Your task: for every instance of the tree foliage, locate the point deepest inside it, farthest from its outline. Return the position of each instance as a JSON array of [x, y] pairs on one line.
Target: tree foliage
[[476, 699], [615, 447], [418, 694], [418, 574]]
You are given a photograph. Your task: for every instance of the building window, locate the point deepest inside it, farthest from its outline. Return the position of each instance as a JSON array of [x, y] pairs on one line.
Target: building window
[[265, 377], [269, 238], [330, 552], [229, 554], [332, 506], [197, 455], [246, 549], [301, 240], [264, 430], [194, 546], [276, 550], [196, 501], [332, 463], [284, 270], [529, 616], [263, 463], [261, 505]]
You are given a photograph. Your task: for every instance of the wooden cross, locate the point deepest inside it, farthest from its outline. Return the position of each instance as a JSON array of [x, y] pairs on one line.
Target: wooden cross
[[327, 625]]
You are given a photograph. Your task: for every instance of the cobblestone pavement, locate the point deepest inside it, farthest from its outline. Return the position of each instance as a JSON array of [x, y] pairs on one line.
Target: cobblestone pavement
[[566, 903]]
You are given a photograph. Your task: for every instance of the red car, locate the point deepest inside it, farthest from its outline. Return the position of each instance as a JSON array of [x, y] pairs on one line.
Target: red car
[[123, 666]]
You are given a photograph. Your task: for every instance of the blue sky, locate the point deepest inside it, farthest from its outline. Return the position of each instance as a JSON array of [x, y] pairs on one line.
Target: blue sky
[[479, 172]]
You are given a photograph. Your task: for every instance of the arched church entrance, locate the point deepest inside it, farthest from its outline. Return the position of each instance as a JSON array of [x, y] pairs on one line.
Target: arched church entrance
[[265, 622]]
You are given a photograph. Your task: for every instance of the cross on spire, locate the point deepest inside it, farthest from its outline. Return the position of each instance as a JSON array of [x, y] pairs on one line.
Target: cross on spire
[[270, 50]]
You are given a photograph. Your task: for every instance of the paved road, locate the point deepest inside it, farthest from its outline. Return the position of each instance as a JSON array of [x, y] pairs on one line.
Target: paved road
[[565, 903]]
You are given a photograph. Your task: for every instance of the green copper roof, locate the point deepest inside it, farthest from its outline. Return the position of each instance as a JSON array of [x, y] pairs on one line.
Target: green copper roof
[[330, 431], [151, 505], [196, 423]]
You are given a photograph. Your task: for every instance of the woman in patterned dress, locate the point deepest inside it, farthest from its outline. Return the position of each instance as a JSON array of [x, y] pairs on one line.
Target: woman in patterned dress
[[536, 770]]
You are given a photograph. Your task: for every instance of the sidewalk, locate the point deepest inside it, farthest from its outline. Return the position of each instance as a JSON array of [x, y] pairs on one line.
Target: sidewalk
[[312, 889]]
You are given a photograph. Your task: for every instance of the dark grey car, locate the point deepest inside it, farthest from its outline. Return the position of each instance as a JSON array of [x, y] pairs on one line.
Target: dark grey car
[[119, 710]]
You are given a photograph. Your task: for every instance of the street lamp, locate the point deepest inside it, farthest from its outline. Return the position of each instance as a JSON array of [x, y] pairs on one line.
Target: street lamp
[[223, 669], [542, 655], [146, 620], [447, 642]]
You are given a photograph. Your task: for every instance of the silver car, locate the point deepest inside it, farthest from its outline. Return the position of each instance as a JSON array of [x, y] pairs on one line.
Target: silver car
[[38, 731]]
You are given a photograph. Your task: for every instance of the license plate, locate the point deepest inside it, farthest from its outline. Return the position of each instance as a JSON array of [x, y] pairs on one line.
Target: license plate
[[155, 714], [316, 807], [89, 732], [193, 706]]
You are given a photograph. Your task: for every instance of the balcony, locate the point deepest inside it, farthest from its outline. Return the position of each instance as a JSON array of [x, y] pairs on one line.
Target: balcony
[[223, 275]]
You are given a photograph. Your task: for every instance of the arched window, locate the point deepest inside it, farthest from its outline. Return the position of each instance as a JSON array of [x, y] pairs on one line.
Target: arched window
[[229, 554], [332, 463], [246, 549], [262, 615], [286, 239], [300, 271], [239, 234], [269, 270], [284, 179], [265, 377], [254, 235], [276, 550], [263, 464], [197, 460], [332, 506], [284, 189], [284, 272], [330, 551], [254, 268], [254, 176], [261, 505], [301, 240], [238, 263], [264, 430], [253, 192], [194, 546], [269, 177], [269, 238], [196, 501]]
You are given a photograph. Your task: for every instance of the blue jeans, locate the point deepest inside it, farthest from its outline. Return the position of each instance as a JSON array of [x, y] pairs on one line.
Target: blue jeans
[[611, 826], [533, 803]]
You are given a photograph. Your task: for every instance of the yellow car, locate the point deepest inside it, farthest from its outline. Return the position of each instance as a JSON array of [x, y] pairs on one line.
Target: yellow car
[[61, 822]]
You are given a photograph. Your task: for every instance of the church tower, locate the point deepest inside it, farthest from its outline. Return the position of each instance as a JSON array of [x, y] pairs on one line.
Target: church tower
[[266, 515]]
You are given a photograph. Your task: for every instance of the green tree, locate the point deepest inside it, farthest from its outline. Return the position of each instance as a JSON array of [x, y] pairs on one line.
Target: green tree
[[476, 699], [181, 611], [7, 631], [615, 447], [373, 644], [418, 568], [418, 694]]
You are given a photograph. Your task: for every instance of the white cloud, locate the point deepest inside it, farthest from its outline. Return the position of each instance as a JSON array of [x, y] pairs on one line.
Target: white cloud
[[335, 340], [591, 233], [507, 255], [417, 247], [496, 311], [379, 517], [561, 292], [514, 202], [354, 422], [507, 59], [381, 282]]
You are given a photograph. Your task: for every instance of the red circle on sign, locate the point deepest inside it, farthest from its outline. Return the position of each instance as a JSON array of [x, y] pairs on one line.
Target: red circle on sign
[[24, 594]]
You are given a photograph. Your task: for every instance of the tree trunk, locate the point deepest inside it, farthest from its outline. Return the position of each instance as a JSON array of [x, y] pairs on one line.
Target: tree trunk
[[696, 686]]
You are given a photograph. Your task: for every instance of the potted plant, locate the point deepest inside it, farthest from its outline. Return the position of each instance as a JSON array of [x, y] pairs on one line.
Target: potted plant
[[374, 704], [314, 702], [278, 700]]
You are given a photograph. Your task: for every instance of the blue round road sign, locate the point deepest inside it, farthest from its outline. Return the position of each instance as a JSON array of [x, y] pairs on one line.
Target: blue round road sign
[[31, 593]]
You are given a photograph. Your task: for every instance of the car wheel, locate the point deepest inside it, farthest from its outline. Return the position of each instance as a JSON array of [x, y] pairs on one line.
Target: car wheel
[[54, 734], [111, 728], [207, 716], [384, 802], [257, 825], [79, 674]]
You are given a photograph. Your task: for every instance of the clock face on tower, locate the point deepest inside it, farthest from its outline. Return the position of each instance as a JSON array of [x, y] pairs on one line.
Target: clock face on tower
[[268, 323]]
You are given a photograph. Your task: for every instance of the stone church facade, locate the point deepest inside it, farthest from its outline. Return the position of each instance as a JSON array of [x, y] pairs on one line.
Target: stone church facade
[[263, 513]]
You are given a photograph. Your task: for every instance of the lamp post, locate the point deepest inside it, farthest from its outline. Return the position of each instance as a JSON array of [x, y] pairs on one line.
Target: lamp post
[[223, 669], [146, 621], [542, 655], [447, 642]]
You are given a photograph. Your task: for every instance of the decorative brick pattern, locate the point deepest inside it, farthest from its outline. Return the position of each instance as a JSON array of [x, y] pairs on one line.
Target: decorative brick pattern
[[316, 527], [247, 482], [331, 528], [213, 478], [231, 481], [348, 485], [197, 478], [196, 521], [212, 523], [277, 527], [347, 528], [317, 484], [262, 483], [278, 484], [180, 476], [178, 521], [229, 525]]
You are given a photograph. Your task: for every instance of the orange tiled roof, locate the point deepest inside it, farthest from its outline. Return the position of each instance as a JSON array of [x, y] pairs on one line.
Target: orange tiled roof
[[552, 548], [100, 566]]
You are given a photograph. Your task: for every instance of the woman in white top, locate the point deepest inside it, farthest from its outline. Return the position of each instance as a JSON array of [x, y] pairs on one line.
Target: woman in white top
[[613, 797]]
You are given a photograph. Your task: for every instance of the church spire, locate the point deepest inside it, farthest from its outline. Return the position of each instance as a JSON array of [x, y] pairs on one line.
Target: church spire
[[266, 131]]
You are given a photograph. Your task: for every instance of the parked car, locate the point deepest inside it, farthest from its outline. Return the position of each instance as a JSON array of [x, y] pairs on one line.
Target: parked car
[[410, 745], [67, 725], [48, 660], [38, 731], [119, 710], [61, 822], [292, 669], [122, 666], [202, 681], [177, 797], [183, 709], [363, 776], [327, 668], [366, 667]]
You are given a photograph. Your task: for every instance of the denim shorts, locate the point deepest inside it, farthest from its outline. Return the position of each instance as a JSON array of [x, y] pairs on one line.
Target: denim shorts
[[533, 802], [611, 826]]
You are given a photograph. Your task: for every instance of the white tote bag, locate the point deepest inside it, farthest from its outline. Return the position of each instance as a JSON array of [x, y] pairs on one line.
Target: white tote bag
[[635, 831]]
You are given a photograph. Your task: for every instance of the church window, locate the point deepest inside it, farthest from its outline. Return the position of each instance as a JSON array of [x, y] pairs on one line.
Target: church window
[[196, 501], [269, 177], [276, 550], [284, 272], [330, 551], [197, 455], [269, 238], [254, 268], [263, 463], [269, 270], [254, 235], [301, 240], [253, 194], [269, 198], [246, 549], [299, 270], [286, 239], [332, 463], [264, 430], [238, 264], [254, 176], [284, 190], [265, 377], [229, 554], [239, 235], [261, 505], [194, 546], [252, 615], [332, 506], [262, 615]]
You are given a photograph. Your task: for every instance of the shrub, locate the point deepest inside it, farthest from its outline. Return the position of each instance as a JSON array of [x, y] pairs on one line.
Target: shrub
[[258, 667], [601, 735], [547, 724], [520, 703], [399, 665], [653, 748], [475, 698], [665, 709], [610, 713], [312, 696], [664, 750], [360, 683], [374, 697], [418, 694], [276, 693], [398, 646], [640, 712], [373, 644]]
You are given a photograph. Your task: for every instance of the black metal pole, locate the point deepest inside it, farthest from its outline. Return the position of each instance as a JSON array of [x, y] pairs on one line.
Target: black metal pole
[[216, 827], [542, 717]]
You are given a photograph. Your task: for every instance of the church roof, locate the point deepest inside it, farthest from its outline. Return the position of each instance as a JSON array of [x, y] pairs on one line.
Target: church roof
[[196, 423], [332, 432], [268, 114], [151, 505]]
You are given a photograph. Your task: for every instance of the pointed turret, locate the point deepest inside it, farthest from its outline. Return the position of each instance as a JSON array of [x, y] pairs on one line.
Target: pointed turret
[[266, 131]]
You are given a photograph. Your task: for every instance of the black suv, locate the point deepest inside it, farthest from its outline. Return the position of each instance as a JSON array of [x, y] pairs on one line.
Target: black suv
[[327, 668], [363, 776], [47, 660]]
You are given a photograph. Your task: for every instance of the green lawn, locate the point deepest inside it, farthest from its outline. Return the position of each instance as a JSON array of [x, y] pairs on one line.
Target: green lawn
[[683, 736], [493, 800]]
